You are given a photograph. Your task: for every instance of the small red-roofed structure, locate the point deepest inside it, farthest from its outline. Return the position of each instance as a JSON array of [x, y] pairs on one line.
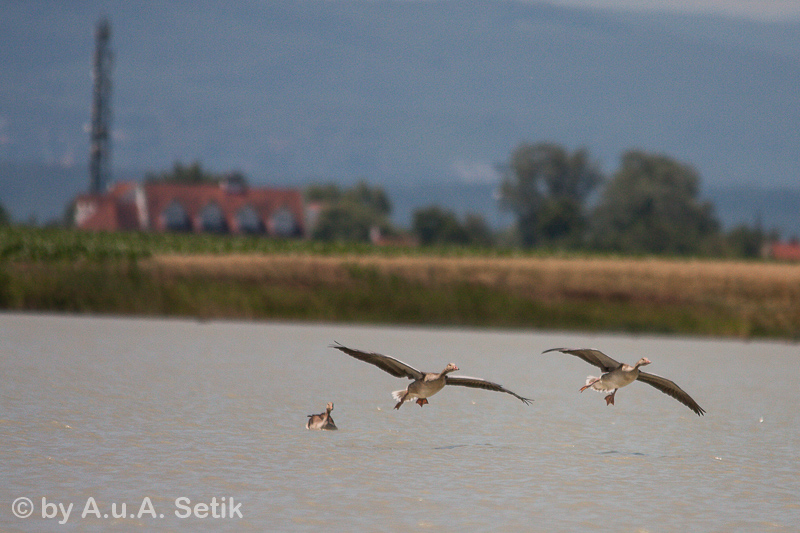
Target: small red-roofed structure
[[784, 251], [216, 208]]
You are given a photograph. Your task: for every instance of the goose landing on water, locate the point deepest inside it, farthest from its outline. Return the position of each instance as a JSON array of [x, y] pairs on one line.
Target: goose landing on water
[[617, 375], [425, 384], [322, 420]]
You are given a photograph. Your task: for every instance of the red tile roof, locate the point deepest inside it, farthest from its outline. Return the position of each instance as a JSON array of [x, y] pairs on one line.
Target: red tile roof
[[194, 198], [785, 251], [131, 206], [97, 212]]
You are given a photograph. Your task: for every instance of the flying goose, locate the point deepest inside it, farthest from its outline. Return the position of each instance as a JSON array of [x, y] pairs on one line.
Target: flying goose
[[425, 384], [617, 375], [322, 420]]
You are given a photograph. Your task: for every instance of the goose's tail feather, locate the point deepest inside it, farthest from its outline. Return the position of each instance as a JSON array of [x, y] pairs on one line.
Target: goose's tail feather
[[590, 382], [399, 394]]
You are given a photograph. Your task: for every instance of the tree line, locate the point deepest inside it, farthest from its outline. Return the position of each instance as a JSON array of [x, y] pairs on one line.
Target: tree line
[[561, 200]]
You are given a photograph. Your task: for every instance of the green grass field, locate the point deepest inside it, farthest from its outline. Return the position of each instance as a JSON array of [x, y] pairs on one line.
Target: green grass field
[[260, 279]]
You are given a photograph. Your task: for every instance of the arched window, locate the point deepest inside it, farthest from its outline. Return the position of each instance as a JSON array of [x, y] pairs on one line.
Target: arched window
[[248, 221], [283, 223], [175, 217], [212, 219]]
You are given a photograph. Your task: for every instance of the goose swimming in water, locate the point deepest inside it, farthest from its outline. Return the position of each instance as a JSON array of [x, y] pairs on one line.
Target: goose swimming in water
[[425, 384], [322, 420], [617, 375]]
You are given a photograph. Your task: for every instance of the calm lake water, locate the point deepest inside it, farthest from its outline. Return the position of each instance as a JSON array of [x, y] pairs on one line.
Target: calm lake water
[[162, 415]]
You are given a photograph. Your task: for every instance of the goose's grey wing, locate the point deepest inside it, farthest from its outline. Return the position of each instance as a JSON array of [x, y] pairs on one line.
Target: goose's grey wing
[[669, 387], [478, 383], [388, 364], [591, 356]]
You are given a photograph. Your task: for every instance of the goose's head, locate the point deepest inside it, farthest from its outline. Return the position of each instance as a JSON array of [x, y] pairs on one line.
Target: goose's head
[[451, 367], [330, 406], [642, 362]]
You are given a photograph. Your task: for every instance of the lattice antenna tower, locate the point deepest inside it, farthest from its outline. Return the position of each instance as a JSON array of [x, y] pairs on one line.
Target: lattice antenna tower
[[100, 141]]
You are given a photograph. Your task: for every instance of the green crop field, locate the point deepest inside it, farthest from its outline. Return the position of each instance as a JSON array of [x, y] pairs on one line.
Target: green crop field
[[254, 278]]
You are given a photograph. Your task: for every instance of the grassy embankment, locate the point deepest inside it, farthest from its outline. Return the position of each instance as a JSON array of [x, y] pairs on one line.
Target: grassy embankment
[[216, 277]]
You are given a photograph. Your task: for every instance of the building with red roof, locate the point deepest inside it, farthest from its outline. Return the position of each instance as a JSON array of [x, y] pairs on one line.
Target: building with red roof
[[783, 251], [227, 207]]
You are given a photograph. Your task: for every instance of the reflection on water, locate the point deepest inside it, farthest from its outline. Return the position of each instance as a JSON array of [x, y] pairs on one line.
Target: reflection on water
[[615, 452], [148, 411]]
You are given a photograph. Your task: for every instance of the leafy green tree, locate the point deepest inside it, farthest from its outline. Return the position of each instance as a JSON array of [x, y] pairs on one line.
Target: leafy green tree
[[5, 218], [434, 225], [547, 187], [651, 205], [373, 197], [326, 192], [746, 241], [194, 174], [477, 230], [344, 221], [350, 215]]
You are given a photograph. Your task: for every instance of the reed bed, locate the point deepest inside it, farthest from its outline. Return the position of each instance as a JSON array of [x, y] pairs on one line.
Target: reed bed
[[678, 296], [606, 278], [209, 276]]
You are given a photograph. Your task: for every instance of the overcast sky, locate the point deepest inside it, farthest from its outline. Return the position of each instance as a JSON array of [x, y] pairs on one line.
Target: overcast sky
[[766, 10], [401, 92]]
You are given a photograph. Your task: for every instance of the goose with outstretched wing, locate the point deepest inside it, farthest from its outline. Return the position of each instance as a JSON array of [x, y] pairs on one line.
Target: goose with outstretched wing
[[425, 384], [616, 375]]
